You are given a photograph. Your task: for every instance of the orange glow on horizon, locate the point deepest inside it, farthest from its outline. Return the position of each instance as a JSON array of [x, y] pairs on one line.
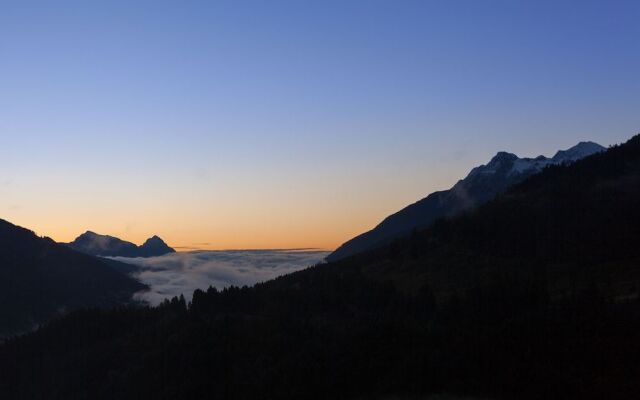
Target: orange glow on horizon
[[196, 234], [287, 215]]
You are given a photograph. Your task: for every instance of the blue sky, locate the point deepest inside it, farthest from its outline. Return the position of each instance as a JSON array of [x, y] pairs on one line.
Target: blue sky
[[290, 123]]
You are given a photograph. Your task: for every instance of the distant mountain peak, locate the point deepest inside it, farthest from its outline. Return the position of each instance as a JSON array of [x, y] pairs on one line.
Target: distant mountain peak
[[482, 184], [581, 150], [154, 240], [500, 160], [503, 156], [155, 246], [109, 246], [511, 165]]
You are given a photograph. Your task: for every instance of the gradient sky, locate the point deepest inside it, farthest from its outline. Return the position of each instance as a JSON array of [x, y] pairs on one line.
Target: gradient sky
[[279, 124]]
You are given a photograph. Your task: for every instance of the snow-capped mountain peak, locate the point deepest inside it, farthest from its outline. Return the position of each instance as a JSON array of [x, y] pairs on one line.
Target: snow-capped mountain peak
[[510, 165], [581, 150], [481, 185]]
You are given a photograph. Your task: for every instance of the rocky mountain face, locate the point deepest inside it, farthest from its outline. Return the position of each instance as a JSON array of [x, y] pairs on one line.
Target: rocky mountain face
[[154, 246], [481, 185], [109, 246]]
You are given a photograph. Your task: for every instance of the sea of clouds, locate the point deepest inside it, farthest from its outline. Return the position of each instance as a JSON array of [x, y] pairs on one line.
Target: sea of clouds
[[181, 273]]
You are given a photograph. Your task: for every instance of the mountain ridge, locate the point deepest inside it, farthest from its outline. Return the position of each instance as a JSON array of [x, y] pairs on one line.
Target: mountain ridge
[[40, 278], [531, 295], [110, 246], [480, 185]]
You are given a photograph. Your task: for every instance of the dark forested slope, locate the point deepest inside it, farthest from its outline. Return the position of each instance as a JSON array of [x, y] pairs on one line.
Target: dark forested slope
[[481, 185], [40, 278], [533, 295]]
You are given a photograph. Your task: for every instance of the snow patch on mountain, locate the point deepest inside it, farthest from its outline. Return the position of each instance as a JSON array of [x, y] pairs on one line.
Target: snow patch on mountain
[[513, 165]]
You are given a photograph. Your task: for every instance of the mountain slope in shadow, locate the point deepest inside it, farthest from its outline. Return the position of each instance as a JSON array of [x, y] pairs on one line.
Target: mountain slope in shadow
[[481, 185], [40, 278], [534, 294]]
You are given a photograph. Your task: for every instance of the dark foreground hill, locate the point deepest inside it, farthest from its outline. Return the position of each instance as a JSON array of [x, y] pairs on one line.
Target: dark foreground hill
[[109, 246], [481, 185], [533, 295], [40, 279]]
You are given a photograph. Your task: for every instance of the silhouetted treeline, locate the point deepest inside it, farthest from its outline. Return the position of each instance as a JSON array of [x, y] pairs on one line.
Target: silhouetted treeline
[[40, 278], [534, 295]]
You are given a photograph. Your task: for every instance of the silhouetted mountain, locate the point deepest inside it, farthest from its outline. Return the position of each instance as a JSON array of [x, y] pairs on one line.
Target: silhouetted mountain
[[109, 246], [40, 278], [154, 246], [481, 185], [535, 294]]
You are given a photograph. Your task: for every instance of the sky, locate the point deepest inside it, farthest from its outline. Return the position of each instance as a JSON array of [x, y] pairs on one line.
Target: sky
[[288, 124]]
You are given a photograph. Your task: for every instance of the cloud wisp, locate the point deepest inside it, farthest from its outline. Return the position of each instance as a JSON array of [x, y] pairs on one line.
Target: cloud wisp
[[181, 273]]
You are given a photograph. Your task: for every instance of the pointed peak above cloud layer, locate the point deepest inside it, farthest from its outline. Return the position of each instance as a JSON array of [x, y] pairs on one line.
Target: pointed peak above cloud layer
[[154, 246], [109, 246]]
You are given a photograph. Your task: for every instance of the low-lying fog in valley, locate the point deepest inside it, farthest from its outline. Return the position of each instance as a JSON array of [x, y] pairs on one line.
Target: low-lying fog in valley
[[181, 273]]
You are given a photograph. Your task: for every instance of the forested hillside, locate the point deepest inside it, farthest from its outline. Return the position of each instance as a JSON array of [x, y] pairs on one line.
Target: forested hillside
[[533, 295], [40, 279]]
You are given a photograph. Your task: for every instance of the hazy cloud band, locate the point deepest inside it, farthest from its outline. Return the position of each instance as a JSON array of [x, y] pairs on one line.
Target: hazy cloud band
[[181, 273]]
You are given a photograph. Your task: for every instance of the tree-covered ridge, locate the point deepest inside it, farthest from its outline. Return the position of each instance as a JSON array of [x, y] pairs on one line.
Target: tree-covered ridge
[[534, 295], [482, 184], [40, 278], [567, 226]]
